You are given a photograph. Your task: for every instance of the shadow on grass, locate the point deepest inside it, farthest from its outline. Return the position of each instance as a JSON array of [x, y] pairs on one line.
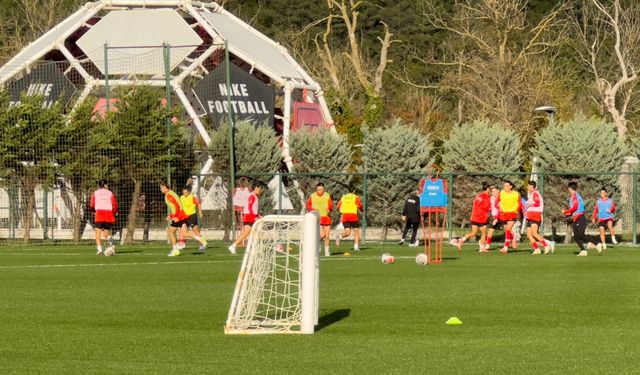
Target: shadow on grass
[[331, 318]]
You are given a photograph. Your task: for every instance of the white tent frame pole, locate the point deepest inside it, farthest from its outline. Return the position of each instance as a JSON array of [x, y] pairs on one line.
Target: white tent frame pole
[[194, 116], [286, 129], [196, 63], [60, 41], [74, 62]]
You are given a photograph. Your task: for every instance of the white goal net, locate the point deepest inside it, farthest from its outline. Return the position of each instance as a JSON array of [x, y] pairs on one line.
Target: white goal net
[[277, 287]]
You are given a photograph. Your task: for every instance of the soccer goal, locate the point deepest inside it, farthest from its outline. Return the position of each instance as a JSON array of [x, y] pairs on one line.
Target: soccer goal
[[277, 287]]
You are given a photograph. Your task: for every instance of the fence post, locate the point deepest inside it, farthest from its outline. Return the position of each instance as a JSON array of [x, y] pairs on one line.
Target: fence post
[[166, 49], [106, 77], [45, 214], [634, 213], [12, 211], [541, 191], [450, 211], [364, 209], [280, 187], [232, 127]]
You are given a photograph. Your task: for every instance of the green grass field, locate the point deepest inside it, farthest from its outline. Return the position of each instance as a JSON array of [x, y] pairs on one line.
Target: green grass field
[[65, 310]]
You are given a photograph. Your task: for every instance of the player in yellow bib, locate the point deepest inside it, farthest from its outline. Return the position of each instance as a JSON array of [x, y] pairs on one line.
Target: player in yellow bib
[[321, 201], [509, 205], [191, 207], [349, 206]]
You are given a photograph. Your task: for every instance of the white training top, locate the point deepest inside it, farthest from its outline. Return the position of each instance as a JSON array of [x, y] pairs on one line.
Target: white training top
[[241, 197]]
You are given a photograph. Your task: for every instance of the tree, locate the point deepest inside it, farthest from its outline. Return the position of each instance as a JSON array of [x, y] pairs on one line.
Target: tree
[[575, 147], [609, 36], [30, 135], [257, 154], [479, 146], [321, 153], [398, 148], [85, 155], [142, 148], [499, 65]]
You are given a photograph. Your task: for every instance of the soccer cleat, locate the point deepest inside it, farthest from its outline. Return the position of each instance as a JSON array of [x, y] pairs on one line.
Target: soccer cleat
[[453, 242], [599, 248], [401, 241], [202, 248], [504, 250], [591, 246], [547, 250], [552, 245], [459, 244], [484, 250], [582, 253], [536, 252], [232, 249], [614, 241], [487, 247], [99, 252], [181, 245], [174, 253], [356, 248], [604, 246], [327, 253]]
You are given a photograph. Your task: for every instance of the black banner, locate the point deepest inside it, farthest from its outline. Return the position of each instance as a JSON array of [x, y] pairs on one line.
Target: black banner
[[46, 80], [250, 98]]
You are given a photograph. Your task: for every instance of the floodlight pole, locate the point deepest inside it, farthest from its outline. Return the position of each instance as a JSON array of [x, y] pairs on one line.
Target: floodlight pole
[[166, 49], [232, 128]]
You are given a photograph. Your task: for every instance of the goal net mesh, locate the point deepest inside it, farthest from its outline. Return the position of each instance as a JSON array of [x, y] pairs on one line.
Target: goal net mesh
[[267, 298]]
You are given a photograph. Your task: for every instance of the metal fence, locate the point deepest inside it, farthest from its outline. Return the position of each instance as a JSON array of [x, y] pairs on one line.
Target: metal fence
[[287, 193]]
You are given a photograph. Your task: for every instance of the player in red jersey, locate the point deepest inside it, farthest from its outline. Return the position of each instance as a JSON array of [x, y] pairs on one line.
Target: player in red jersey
[[250, 215], [533, 214], [479, 218], [494, 223], [103, 202]]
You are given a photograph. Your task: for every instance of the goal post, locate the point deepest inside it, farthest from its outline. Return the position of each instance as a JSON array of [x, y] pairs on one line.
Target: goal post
[[277, 286]]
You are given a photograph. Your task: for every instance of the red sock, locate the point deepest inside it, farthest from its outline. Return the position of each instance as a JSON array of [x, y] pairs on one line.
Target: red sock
[[508, 236], [544, 242], [535, 245], [488, 240]]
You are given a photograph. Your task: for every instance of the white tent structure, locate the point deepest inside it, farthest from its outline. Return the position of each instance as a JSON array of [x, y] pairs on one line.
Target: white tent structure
[[138, 28]]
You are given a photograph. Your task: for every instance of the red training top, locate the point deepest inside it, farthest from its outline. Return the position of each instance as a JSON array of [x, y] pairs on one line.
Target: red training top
[[104, 202], [481, 208]]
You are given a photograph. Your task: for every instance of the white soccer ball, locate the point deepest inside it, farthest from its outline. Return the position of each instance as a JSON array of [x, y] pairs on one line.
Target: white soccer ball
[[387, 258], [110, 251], [422, 259]]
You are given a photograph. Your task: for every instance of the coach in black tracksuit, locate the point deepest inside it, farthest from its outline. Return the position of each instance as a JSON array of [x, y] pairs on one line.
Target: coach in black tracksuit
[[411, 217]]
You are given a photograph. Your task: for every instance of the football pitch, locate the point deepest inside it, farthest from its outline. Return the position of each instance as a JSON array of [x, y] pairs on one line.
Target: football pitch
[[65, 310]]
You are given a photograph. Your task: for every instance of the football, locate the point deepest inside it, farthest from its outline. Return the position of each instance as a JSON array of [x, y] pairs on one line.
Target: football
[[422, 259], [110, 251], [387, 258]]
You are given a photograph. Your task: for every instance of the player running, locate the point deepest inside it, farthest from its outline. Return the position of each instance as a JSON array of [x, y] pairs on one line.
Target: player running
[[533, 216], [103, 202], [579, 223], [191, 207], [321, 201], [249, 215], [479, 218], [349, 206], [509, 205], [494, 223], [604, 211], [176, 217]]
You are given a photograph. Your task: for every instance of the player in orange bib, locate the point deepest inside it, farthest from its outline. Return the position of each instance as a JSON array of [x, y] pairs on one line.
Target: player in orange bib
[[176, 217], [321, 201]]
